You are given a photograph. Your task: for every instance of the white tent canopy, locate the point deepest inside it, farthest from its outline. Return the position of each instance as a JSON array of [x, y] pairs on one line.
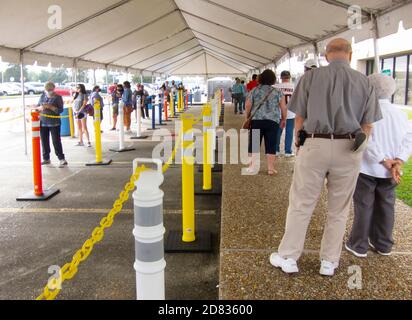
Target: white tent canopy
[[184, 37]]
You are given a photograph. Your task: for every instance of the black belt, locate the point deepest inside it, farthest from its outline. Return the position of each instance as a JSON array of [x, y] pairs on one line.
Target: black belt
[[331, 136]]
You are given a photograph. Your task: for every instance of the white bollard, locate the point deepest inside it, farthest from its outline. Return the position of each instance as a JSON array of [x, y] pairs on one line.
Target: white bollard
[[121, 123], [149, 233], [139, 135], [122, 147]]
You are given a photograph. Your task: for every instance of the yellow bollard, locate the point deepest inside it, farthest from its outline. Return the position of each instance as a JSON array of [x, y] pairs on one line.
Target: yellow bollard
[[172, 105], [188, 179], [207, 147], [71, 121], [98, 137], [97, 131], [180, 101]]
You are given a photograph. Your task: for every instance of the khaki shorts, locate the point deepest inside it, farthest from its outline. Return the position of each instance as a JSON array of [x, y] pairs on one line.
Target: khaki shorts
[[115, 109]]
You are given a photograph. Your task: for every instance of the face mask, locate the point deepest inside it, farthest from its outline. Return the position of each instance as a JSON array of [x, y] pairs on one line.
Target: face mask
[[49, 93]]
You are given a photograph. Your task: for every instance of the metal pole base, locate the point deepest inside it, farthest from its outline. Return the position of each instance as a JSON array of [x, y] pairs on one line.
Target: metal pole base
[[127, 149], [139, 138], [105, 162], [174, 243], [47, 195], [215, 191], [216, 168]]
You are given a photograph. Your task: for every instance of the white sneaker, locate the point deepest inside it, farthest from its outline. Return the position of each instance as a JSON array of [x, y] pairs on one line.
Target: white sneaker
[[287, 265], [377, 251], [289, 155], [63, 164], [356, 254], [328, 268], [278, 154]]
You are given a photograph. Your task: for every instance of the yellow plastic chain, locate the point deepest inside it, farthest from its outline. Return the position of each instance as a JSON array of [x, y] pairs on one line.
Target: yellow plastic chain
[[69, 270], [53, 117]]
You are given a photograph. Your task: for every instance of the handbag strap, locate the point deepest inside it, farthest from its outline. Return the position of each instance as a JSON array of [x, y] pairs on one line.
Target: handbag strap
[[262, 103]]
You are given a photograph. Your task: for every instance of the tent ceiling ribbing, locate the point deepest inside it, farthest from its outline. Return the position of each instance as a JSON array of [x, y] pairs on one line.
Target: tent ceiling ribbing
[[183, 37]]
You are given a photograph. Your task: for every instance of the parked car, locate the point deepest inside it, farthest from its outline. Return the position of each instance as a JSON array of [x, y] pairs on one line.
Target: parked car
[[34, 87], [72, 85], [64, 91], [9, 90], [17, 86]]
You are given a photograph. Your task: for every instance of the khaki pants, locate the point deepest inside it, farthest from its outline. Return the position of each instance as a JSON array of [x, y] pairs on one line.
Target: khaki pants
[[319, 159], [127, 117]]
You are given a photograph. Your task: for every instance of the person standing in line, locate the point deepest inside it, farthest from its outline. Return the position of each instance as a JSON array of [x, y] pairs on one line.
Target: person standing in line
[[243, 105], [287, 89], [253, 83], [115, 106], [95, 95], [80, 100], [51, 104], [128, 105], [390, 146], [333, 104], [238, 93], [267, 107], [310, 65]]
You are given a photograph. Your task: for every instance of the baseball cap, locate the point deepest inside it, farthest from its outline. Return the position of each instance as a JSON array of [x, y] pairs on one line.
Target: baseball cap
[[311, 64], [285, 74]]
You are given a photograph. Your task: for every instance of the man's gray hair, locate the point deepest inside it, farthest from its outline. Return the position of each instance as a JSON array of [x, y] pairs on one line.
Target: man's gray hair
[[385, 86]]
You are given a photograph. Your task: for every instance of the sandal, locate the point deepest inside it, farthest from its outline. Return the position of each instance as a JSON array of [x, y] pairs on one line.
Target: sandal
[[272, 172]]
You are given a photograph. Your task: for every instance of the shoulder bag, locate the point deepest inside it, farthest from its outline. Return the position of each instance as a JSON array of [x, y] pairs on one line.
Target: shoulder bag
[[247, 125]]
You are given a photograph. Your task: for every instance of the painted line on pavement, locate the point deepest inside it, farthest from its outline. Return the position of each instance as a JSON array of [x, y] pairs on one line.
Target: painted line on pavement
[[93, 211]]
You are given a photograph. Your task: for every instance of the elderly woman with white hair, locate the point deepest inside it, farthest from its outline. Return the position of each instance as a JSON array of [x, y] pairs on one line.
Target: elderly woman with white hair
[[390, 145]]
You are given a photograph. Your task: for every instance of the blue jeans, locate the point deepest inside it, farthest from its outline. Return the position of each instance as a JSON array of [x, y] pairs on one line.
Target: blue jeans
[[290, 128]]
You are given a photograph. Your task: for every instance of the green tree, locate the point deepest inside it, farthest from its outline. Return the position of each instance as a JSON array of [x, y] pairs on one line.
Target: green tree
[[13, 72]]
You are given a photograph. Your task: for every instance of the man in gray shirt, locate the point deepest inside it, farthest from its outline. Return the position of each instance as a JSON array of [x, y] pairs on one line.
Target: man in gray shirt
[[332, 104]]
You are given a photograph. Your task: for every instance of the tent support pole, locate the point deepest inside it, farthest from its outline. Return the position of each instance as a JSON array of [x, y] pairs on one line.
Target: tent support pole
[[316, 47], [75, 71], [375, 29], [290, 60], [23, 97]]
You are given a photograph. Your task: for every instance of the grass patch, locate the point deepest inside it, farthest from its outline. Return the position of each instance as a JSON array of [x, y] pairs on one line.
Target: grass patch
[[408, 112], [404, 190]]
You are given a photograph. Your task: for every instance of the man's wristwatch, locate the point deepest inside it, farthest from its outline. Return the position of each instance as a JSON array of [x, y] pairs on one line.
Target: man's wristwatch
[[383, 161]]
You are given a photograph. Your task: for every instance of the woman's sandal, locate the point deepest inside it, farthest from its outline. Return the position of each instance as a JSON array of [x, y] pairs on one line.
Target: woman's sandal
[[272, 172]]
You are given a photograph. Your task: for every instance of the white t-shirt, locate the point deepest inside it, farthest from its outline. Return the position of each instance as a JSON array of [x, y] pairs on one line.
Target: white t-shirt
[[287, 89]]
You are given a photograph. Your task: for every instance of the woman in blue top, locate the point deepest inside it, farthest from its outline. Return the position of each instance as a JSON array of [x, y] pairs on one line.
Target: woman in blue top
[[127, 99], [268, 107]]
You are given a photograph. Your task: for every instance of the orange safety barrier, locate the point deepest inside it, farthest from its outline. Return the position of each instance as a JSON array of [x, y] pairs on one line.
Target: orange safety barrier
[[166, 106], [37, 173], [39, 194]]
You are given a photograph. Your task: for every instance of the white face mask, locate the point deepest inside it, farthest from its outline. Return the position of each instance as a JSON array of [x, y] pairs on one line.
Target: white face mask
[[49, 93]]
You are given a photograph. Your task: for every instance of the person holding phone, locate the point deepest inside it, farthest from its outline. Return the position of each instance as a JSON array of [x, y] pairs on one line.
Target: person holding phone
[[51, 104]]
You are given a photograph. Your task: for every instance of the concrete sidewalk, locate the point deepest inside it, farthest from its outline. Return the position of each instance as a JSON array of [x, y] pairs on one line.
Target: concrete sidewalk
[[253, 219]]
